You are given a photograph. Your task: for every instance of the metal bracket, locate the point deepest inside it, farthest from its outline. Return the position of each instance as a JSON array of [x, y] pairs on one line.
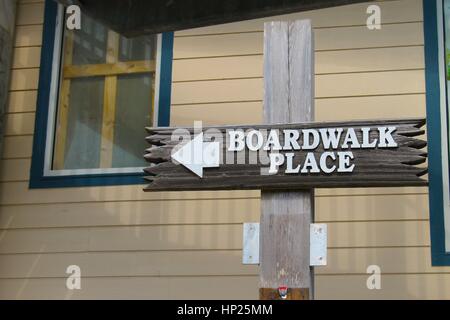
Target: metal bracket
[[317, 244], [250, 252]]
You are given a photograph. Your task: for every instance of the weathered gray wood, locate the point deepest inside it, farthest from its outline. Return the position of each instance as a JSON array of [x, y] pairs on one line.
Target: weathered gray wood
[[288, 97]]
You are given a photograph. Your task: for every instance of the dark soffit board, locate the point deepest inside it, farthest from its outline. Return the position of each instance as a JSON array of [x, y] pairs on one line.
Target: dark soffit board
[[136, 17]]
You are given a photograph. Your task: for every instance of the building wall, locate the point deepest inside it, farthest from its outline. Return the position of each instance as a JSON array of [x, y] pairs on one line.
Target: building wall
[[131, 244]]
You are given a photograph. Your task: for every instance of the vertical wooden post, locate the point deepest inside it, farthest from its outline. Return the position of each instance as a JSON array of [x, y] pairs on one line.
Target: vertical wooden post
[[286, 215]]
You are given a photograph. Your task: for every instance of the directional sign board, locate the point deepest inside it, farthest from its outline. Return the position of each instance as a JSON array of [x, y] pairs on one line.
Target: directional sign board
[[287, 156]]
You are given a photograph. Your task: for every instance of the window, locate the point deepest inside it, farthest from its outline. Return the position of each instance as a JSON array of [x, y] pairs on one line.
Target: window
[[437, 64], [97, 92]]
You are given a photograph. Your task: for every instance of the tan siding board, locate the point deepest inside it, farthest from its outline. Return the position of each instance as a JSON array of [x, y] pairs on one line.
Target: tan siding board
[[31, 13], [378, 234], [331, 109], [224, 45], [185, 237], [19, 193], [372, 208], [22, 101], [390, 260], [200, 237], [217, 114], [378, 83], [15, 170], [371, 191], [199, 288], [27, 36], [217, 91], [24, 79], [399, 286], [406, 286], [217, 68], [97, 264], [19, 124], [44, 240], [392, 12], [17, 147], [376, 107], [92, 288], [232, 287], [27, 57], [363, 84], [420, 286], [379, 59], [408, 34], [353, 261], [207, 211]]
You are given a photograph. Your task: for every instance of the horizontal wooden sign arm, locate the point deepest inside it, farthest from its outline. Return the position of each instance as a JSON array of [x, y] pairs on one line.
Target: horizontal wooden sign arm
[[324, 166]]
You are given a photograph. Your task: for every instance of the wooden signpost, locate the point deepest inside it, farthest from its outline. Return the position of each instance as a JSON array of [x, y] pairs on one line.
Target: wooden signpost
[[287, 157]]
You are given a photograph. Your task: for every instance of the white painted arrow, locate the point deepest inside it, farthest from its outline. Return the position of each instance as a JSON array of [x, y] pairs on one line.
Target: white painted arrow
[[196, 155]]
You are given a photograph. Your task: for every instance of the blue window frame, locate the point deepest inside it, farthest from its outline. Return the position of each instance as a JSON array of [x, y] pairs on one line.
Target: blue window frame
[[438, 134], [50, 50]]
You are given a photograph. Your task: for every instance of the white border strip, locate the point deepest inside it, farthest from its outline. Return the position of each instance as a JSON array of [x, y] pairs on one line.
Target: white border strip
[[157, 79], [53, 91]]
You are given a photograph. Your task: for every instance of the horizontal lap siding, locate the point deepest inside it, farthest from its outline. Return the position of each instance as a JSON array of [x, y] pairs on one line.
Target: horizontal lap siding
[[345, 208], [248, 89], [160, 287], [382, 59], [188, 244], [206, 263], [200, 237], [403, 286]]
